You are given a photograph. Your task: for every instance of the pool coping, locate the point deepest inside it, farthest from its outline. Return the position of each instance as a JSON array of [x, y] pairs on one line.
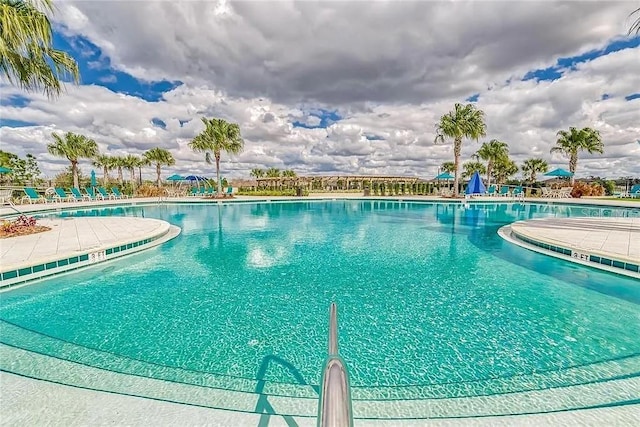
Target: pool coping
[[562, 250], [29, 272]]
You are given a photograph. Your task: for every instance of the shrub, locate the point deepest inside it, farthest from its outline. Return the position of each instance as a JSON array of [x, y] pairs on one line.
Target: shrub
[[581, 189], [147, 190]]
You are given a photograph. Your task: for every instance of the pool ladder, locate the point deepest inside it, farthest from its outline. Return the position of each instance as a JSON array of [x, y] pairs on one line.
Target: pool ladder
[[334, 409]]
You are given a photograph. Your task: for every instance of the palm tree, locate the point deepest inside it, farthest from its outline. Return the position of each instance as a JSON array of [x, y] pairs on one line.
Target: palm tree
[[448, 167], [635, 27], [106, 163], [218, 136], [289, 173], [131, 162], [491, 152], [531, 167], [570, 142], [273, 173], [142, 161], [503, 169], [465, 121], [73, 147], [159, 157], [257, 173], [469, 168], [27, 56], [118, 163]]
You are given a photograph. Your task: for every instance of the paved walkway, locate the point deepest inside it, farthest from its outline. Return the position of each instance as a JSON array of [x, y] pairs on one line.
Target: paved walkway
[[71, 236]]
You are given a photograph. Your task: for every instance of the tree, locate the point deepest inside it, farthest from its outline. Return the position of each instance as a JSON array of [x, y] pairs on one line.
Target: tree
[[106, 163], [27, 56], [491, 152], [273, 173], [289, 173], [130, 163], [218, 136], [531, 167], [22, 170], [503, 169], [118, 163], [469, 168], [448, 167], [465, 121], [73, 147], [570, 142], [159, 157], [635, 27], [257, 173], [142, 162]]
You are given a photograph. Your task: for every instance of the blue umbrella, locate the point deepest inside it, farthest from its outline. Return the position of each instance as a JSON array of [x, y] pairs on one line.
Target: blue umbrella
[[94, 183], [559, 172], [175, 178], [475, 185], [445, 175]]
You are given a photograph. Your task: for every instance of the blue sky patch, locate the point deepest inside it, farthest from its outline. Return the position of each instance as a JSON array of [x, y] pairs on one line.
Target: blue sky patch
[[373, 137], [95, 68], [473, 98], [605, 97], [327, 118], [158, 123], [15, 123], [632, 96], [555, 72], [183, 122], [15, 101]]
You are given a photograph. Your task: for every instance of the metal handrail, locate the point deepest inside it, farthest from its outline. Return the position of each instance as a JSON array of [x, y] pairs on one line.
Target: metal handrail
[[335, 395]]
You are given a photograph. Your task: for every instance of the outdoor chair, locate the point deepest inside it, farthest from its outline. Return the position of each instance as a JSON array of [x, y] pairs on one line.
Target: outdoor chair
[[518, 192], [116, 192], [32, 196], [92, 194], [491, 191], [504, 191], [61, 195], [77, 195], [105, 194], [635, 191], [5, 197]]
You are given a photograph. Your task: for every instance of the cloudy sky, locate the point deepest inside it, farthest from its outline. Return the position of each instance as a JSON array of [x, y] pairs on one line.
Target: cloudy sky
[[338, 87]]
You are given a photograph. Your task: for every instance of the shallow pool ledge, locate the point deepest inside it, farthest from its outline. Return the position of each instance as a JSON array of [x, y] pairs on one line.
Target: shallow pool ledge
[[75, 243], [611, 244]]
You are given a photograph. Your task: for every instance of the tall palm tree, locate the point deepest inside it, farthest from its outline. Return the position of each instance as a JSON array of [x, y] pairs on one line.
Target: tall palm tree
[[570, 142], [503, 169], [531, 167], [257, 173], [465, 121], [469, 168], [27, 56], [142, 162], [130, 163], [73, 147], [159, 157], [491, 152], [448, 167], [118, 163], [289, 173], [218, 136], [273, 173], [106, 163]]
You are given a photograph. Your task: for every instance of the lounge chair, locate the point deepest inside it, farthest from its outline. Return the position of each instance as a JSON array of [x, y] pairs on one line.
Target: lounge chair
[[62, 196], [92, 194], [504, 191], [116, 192], [105, 194], [78, 196], [518, 192], [209, 191], [635, 191], [491, 191], [33, 197], [229, 191], [5, 197], [193, 192]]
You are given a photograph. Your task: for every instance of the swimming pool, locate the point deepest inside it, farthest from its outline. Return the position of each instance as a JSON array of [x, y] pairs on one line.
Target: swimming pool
[[439, 317]]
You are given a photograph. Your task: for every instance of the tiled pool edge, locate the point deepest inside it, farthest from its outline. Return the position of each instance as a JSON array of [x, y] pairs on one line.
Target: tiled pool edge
[[580, 256], [27, 274]]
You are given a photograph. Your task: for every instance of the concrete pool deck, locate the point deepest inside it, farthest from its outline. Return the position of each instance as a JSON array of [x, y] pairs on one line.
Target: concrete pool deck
[[609, 243], [77, 242]]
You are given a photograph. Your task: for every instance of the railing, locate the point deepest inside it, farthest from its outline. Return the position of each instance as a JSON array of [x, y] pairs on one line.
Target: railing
[[335, 394]]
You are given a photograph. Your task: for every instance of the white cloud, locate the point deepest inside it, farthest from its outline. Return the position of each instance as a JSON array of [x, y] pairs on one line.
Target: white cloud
[[390, 69]]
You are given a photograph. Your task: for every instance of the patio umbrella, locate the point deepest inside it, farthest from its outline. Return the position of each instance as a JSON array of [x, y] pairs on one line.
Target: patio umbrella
[[559, 173], [444, 175], [4, 170], [94, 183], [475, 185], [175, 178]]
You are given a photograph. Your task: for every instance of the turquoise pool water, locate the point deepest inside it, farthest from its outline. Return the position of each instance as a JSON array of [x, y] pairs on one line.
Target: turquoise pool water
[[428, 296]]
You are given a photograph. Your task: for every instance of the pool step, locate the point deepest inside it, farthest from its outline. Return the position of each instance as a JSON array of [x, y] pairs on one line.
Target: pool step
[[34, 365]]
